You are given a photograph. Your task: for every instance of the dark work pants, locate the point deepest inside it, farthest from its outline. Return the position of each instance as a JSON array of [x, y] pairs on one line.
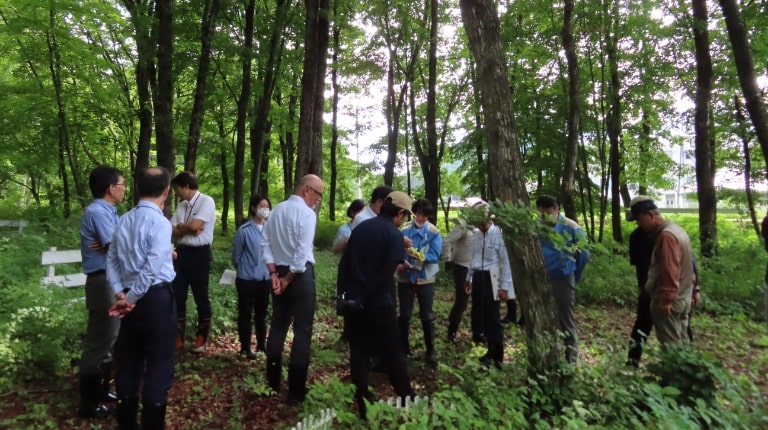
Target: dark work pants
[[374, 330], [564, 291], [145, 345], [489, 308], [407, 293], [192, 266], [296, 304], [252, 302], [461, 298], [102, 329]]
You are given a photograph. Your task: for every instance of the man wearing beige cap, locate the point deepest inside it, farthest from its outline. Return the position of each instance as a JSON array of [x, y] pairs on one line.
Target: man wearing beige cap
[[670, 275], [367, 301]]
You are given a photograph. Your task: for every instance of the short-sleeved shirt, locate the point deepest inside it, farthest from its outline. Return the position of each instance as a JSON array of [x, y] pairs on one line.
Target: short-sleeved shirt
[[375, 247], [201, 207], [363, 215], [98, 224]]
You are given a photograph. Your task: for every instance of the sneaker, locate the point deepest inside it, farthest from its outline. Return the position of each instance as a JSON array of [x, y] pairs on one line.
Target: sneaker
[[179, 343], [199, 346]]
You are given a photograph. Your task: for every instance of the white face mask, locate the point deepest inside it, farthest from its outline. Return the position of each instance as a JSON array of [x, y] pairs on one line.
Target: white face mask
[[262, 213]]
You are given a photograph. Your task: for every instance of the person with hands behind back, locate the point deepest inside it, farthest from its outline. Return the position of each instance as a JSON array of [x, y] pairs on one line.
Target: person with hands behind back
[[489, 280], [140, 270]]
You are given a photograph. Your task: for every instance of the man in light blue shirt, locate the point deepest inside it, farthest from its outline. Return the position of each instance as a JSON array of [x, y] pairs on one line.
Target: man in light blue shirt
[[96, 227], [140, 269], [288, 253]]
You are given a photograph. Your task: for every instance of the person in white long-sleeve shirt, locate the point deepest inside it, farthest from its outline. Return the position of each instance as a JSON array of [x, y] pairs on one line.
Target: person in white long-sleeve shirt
[[489, 280], [287, 251], [457, 249]]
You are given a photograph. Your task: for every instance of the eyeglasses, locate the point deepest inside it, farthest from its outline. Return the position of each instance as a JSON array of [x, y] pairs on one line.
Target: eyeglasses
[[119, 184], [316, 192]]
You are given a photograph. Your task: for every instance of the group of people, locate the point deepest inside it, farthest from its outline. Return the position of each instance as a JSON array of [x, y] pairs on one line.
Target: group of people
[[136, 290], [137, 284]]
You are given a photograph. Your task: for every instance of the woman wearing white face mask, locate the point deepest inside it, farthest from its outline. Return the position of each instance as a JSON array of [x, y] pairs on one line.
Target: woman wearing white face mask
[[252, 281]]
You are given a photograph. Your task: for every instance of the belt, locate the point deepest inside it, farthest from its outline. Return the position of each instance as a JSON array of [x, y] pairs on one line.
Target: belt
[[162, 285], [96, 272], [182, 246]]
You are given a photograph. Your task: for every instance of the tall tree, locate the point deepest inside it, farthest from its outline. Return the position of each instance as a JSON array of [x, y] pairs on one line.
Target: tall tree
[[482, 25], [704, 143], [246, 59], [207, 29], [574, 113], [614, 116], [163, 90], [737, 33]]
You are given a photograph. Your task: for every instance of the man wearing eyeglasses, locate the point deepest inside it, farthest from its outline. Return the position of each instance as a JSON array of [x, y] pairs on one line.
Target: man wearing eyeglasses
[[287, 251], [96, 227]]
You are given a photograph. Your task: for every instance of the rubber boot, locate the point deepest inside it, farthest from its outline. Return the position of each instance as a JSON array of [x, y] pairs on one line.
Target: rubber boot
[[89, 398], [153, 417], [297, 384], [403, 325], [181, 328], [429, 342], [106, 379], [125, 412], [201, 339], [274, 373]]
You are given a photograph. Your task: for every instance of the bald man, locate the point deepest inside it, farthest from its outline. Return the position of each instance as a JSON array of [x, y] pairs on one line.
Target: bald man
[[287, 252]]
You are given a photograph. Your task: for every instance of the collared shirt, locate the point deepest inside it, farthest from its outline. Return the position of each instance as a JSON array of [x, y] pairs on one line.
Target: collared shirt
[[246, 252], [98, 224], [568, 257], [457, 246], [428, 240], [201, 207], [489, 252], [289, 234], [140, 253], [363, 215]]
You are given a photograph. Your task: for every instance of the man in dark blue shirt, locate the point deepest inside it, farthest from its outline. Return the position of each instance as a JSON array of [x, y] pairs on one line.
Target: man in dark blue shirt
[[366, 275], [96, 227], [140, 270]]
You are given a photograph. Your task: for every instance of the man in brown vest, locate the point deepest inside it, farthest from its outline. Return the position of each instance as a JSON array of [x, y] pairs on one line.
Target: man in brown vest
[[670, 275]]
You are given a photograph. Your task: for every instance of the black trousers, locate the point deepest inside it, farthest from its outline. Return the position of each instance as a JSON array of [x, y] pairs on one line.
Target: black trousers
[[145, 346], [192, 266], [374, 330], [489, 308], [296, 304], [460, 301], [252, 302]]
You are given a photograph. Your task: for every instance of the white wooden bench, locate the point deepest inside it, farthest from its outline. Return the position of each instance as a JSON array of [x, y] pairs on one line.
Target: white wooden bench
[[16, 223], [51, 258]]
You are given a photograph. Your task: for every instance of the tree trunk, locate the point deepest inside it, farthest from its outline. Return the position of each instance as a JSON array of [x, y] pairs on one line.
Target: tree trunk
[[614, 124], [288, 146], [225, 187], [481, 22], [164, 91], [745, 68], [242, 112], [263, 104], [574, 114], [309, 148], [704, 143], [207, 30], [741, 122], [335, 119]]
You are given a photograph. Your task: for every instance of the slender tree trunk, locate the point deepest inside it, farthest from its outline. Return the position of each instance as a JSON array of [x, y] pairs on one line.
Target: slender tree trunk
[[574, 114], [481, 22], [745, 68], [207, 30], [288, 147], [263, 104], [741, 121], [164, 90], [246, 59], [705, 150], [223, 166], [614, 124], [335, 110]]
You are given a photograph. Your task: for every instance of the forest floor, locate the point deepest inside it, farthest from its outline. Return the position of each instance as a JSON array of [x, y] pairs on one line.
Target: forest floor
[[220, 390]]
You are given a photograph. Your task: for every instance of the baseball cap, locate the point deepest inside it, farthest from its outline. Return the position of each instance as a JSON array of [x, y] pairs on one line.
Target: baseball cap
[[639, 205], [401, 200]]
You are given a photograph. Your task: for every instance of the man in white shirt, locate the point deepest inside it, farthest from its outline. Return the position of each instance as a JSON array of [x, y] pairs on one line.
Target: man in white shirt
[[288, 253], [193, 232], [372, 210]]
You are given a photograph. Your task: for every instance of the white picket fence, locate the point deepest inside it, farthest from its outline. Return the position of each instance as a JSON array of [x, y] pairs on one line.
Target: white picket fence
[[320, 421]]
